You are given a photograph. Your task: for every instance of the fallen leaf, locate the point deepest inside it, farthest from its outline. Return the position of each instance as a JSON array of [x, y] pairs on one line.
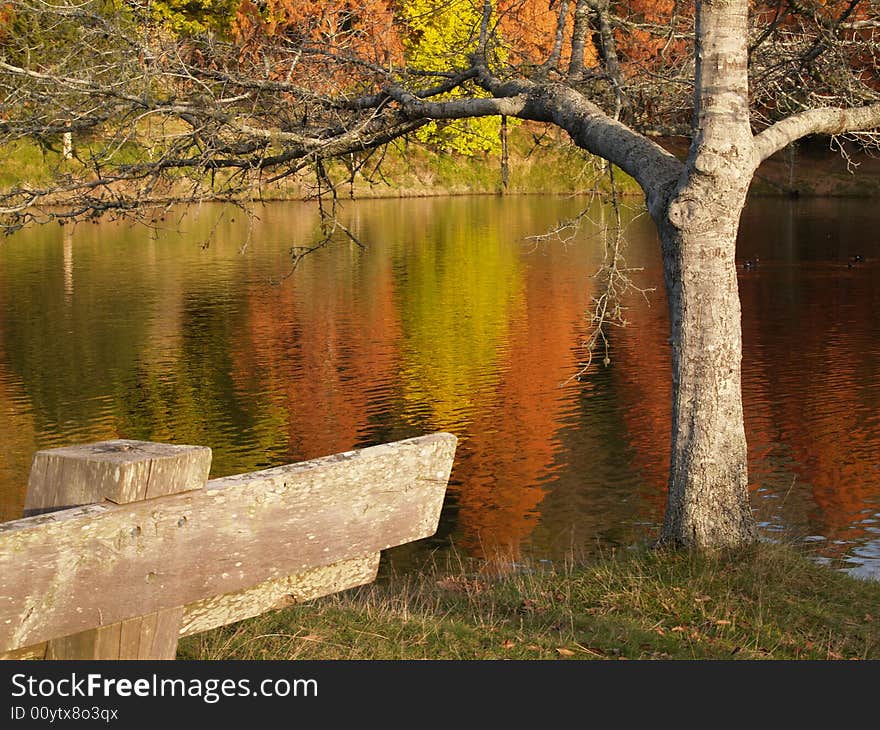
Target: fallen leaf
[[565, 652], [509, 644], [722, 622], [702, 599], [678, 629], [594, 650]]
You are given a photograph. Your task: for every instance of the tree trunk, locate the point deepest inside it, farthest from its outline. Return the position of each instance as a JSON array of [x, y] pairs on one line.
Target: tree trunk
[[708, 499]]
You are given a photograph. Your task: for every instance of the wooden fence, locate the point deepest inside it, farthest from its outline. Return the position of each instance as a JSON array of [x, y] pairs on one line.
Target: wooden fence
[[126, 545]]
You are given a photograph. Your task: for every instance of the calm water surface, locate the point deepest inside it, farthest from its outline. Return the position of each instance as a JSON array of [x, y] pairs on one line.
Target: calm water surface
[[451, 318]]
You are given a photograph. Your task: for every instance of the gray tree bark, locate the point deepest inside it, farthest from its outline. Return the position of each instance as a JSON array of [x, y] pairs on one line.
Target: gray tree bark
[[708, 500]]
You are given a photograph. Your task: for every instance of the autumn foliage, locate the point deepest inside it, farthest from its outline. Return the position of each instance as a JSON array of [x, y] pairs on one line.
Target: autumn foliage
[[362, 27]]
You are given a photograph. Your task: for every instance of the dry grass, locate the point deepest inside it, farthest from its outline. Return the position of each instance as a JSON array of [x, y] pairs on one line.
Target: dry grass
[[766, 603]]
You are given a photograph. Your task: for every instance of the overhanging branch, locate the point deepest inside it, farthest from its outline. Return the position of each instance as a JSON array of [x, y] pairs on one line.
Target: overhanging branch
[[828, 121]]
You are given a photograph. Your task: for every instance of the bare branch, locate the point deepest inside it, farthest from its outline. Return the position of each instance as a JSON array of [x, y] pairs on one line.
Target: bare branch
[[827, 121]]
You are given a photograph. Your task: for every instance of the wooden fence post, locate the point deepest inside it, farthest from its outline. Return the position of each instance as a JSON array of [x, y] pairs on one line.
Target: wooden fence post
[[121, 471], [164, 554]]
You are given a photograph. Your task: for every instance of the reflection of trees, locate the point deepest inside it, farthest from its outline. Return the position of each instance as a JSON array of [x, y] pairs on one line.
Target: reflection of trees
[[643, 383], [819, 353], [323, 347], [66, 337], [513, 446], [459, 284], [489, 334], [18, 443], [809, 386]]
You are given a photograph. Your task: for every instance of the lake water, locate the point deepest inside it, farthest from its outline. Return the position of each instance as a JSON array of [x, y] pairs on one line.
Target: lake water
[[451, 318]]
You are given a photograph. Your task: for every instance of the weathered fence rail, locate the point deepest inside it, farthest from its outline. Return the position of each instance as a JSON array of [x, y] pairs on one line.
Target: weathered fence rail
[[128, 546]]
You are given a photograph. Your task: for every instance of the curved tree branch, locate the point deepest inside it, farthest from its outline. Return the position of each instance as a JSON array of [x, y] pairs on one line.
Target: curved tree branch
[[591, 129], [816, 121]]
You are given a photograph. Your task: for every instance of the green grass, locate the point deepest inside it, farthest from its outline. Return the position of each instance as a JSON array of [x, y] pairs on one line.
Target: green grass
[[26, 162], [768, 602]]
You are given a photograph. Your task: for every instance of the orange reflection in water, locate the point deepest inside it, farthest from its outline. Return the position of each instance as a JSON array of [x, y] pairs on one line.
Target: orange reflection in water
[[808, 391], [826, 428], [513, 443], [323, 347]]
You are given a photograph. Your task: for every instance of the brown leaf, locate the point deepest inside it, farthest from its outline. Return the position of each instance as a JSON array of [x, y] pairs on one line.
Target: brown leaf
[[702, 599], [461, 585], [678, 629], [594, 650], [509, 644], [565, 652], [722, 622]]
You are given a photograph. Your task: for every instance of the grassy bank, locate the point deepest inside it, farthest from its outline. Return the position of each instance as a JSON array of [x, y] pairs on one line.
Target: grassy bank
[[769, 602]]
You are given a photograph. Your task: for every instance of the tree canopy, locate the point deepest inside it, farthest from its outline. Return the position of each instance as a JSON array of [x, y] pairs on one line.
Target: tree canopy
[[155, 92]]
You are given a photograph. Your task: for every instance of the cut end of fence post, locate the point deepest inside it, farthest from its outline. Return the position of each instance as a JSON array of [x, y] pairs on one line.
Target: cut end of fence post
[[121, 470]]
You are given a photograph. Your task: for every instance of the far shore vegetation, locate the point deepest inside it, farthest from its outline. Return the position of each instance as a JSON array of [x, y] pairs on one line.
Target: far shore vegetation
[[768, 602], [541, 161]]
